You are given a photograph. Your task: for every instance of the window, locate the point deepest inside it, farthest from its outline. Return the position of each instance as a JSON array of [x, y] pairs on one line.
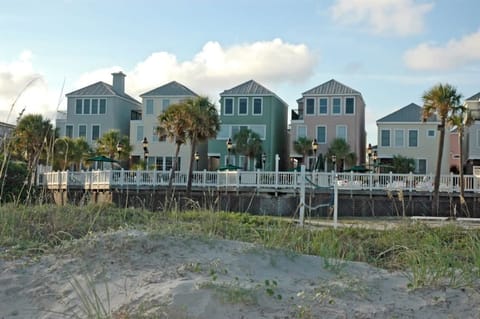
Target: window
[[159, 163], [69, 131], [421, 166], [140, 135], [341, 131], [169, 163], [242, 106], [257, 106], [321, 134], [224, 132], [323, 106], [398, 138], [165, 104], [385, 138], [95, 132], [237, 128], [228, 109], [82, 131], [94, 106], [431, 133], [103, 106], [310, 106], [86, 106], [412, 138], [259, 129], [243, 161], [78, 106], [156, 137], [349, 105], [149, 107], [301, 131], [337, 106]]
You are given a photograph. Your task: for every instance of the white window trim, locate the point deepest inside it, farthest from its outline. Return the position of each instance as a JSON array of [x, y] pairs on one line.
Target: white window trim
[[389, 139], [241, 99], [225, 106], [297, 129], [346, 131], [326, 113], [86, 131], [261, 106], [140, 138], [146, 107], [81, 107], [326, 134], [73, 130], [314, 107], [408, 137], [354, 106], [434, 133], [395, 138], [335, 98], [99, 130]]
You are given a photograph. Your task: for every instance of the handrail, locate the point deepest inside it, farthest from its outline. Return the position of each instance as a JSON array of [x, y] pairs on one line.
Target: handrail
[[122, 179]]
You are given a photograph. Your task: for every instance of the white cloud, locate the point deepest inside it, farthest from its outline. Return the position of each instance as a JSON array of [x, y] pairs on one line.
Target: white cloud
[[386, 17], [454, 54], [23, 87], [216, 68]]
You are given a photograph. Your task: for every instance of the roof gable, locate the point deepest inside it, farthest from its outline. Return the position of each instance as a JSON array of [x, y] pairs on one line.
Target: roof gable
[[170, 89], [248, 88], [100, 89], [411, 113], [332, 87], [475, 97]]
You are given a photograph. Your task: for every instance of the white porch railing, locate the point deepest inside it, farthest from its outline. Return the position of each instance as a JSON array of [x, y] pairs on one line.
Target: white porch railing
[[91, 180]]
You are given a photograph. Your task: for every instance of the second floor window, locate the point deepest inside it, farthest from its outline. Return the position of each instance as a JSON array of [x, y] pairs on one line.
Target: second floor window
[[228, 107], [86, 106], [342, 132], [69, 131], [301, 131], [385, 138], [257, 106], [90, 106], [323, 106], [140, 135], [165, 104], [78, 106], [82, 131], [398, 138], [149, 107], [412, 138], [349, 105], [310, 107], [95, 132], [321, 134], [242, 106], [336, 106]]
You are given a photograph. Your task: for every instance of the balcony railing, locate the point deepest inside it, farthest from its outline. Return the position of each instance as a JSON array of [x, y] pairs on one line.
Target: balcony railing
[[123, 179]]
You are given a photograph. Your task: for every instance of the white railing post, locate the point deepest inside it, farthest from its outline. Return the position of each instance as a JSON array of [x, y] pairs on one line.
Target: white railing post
[[302, 194], [335, 201], [204, 177], [277, 159]]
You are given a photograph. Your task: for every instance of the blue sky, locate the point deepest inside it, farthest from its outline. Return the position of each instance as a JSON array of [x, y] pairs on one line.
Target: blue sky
[[389, 50]]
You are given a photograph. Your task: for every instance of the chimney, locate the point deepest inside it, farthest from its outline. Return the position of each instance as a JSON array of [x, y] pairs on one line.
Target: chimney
[[119, 82]]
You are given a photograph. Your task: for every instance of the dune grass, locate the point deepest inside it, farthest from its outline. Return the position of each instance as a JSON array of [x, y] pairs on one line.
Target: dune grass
[[429, 256]]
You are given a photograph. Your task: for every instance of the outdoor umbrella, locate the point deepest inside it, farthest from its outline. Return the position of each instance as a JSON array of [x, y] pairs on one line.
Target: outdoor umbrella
[[101, 159]]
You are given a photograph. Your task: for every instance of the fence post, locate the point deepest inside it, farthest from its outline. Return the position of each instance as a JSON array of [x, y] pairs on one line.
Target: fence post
[[302, 194], [277, 159]]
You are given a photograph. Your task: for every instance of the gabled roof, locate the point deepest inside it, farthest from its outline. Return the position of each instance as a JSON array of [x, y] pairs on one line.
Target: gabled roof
[[475, 97], [170, 89], [332, 87], [410, 113], [100, 89], [248, 88]]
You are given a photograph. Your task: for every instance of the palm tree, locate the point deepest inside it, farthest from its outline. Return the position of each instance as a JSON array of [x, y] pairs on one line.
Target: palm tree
[[79, 152], [204, 124], [173, 124], [341, 149], [248, 143], [441, 100], [107, 144], [303, 146], [461, 118]]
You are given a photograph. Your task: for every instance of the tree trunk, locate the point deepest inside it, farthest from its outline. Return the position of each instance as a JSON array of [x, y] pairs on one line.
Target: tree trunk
[[436, 185], [190, 168], [461, 182], [174, 167]]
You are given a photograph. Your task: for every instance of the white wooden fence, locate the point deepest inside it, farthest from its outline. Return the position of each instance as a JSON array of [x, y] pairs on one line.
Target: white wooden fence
[[275, 180]]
